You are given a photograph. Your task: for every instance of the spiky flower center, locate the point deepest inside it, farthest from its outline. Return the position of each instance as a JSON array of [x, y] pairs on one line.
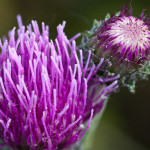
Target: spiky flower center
[[130, 32]]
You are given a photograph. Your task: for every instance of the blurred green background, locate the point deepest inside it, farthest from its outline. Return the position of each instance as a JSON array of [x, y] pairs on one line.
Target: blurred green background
[[126, 122]]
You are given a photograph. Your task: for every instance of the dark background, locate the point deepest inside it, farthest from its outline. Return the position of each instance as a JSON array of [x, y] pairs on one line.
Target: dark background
[[126, 122]]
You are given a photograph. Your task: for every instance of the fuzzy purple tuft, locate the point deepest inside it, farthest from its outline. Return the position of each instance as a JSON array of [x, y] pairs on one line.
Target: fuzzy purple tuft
[[44, 98], [124, 39]]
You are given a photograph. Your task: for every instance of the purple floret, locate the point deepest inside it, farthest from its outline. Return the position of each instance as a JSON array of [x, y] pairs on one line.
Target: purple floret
[[44, 84], [124, 39]]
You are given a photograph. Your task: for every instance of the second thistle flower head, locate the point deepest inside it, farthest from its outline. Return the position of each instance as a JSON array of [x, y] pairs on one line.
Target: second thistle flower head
[[124, 41], [122, 38]]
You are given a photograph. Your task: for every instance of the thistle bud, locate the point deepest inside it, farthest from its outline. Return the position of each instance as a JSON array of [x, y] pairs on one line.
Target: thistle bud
[[122, 39]]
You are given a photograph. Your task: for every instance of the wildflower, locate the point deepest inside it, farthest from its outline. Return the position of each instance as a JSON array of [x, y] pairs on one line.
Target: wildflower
[[123, 38], [44, 103]]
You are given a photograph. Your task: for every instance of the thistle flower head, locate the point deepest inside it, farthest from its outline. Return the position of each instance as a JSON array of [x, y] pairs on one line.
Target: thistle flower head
[[44, 103], [130, 35], [124, 39]]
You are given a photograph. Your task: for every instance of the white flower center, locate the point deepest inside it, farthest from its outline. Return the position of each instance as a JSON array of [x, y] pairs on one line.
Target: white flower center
[[130, 32]]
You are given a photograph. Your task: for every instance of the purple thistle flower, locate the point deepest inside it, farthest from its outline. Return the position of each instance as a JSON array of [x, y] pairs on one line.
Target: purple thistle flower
[[44, 98], [124, 39]]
